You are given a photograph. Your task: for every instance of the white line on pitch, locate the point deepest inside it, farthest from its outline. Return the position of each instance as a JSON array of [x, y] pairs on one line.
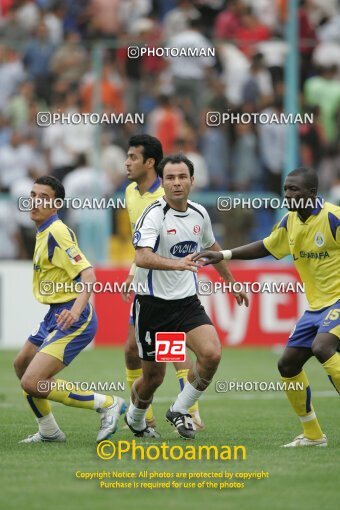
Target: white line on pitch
[[251, 396]]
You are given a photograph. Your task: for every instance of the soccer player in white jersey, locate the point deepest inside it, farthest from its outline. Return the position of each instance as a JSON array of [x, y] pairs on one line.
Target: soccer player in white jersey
[[166, 236]]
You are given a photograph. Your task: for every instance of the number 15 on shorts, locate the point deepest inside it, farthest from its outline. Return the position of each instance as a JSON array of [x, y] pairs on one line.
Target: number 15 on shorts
[[170, 346]]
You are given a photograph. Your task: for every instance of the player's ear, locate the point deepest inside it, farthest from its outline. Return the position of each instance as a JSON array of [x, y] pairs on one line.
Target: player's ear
[[150, 162], [192, 180]]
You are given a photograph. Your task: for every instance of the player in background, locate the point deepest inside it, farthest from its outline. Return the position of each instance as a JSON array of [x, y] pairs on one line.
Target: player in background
[[166, 235], [144, 154], [311, 234], [67, 328]]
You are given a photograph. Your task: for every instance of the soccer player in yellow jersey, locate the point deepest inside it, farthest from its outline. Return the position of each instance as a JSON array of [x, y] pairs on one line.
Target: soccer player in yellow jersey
[[67, 328], [310, 232], [144, 154]]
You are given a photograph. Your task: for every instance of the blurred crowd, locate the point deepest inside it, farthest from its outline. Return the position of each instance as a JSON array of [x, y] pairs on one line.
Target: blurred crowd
[[71, 56]]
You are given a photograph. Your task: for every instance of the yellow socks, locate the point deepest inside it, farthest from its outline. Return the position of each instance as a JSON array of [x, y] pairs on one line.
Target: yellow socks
[[40, 406], [332, 367], [131, 377], [43, 414], [182, 376], [300, 400], [68, 395]]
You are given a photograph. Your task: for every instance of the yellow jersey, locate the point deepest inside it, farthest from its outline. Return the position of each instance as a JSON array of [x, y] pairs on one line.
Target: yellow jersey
[[315, 248], [136, 203], [57, 261]]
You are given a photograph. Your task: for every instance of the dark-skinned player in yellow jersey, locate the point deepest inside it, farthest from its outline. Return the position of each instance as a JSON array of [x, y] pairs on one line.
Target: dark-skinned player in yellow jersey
[[310, 233]]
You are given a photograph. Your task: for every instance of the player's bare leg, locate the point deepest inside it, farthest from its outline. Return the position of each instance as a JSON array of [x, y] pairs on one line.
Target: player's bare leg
[[134, 369], [204, 342], [141, 397], [38, 381], [41, 408], [24, 358], [291, 369], [182, 369], [325, 349]]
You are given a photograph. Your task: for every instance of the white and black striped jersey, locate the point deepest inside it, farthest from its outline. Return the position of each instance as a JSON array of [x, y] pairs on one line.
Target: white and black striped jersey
[[171, 234]]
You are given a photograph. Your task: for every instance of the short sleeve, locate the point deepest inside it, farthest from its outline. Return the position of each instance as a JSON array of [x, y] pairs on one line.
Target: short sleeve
[[208, 238], [277, 242], [148, 227], [64, 252]]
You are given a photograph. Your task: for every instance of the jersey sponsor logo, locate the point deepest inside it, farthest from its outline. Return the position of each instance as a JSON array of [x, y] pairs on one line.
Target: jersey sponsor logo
[[172, 231], [73, 254], [196, 229], [136, 238], [319, 239], [170, 346], [314, 254], [183, 248]]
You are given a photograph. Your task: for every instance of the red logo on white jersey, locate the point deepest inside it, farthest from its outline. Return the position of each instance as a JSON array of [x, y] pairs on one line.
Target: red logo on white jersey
[[170, 346], [172, 231], [197, 229]]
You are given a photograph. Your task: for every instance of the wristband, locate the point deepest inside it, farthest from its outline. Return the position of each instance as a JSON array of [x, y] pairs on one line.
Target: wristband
[[132, 270], [227, 254]]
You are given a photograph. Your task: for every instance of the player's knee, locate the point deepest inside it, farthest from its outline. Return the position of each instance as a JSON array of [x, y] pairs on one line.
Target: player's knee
[[29, 385], [287, 368], [212, 357], [283, 367], [322, 352]]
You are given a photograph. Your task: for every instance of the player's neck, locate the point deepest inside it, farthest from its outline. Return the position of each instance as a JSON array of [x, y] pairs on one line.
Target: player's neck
[[180, 206], [305, 213], [146, 182]]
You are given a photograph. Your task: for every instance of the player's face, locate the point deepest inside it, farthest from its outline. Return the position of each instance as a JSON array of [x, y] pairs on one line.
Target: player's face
[[136, 168], [177, 181], [40, 211], [295, 190]]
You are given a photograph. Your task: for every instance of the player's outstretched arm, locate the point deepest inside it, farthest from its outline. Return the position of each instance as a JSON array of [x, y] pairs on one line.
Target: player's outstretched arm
[[223, 270], [250, 251], [67, 317], [147, 259]]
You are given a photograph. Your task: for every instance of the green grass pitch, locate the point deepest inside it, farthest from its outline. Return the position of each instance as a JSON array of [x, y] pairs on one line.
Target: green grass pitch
[[42, 476]]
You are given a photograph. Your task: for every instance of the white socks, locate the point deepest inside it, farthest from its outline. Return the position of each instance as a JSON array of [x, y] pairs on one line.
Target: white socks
[[98, 401], [187, 398], [136, 417], [47, 425]]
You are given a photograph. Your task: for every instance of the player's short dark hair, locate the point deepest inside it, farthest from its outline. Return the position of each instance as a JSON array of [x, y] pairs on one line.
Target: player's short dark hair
[[175, 158], [152, 147], [54, 183], [309, 176]]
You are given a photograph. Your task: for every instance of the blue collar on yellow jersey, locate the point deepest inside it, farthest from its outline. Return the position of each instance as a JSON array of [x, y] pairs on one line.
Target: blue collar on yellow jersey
[[319, 205], [155, 185], [48, 222]]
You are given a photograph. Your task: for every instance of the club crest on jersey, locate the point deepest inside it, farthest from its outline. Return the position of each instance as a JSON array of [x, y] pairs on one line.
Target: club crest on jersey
[[319, 239], [171, 232], [183, 248], [73, 254], [136, 238], [196, 229]]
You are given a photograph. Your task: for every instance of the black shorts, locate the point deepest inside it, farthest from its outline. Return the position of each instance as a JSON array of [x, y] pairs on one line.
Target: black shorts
[[151, 315]]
